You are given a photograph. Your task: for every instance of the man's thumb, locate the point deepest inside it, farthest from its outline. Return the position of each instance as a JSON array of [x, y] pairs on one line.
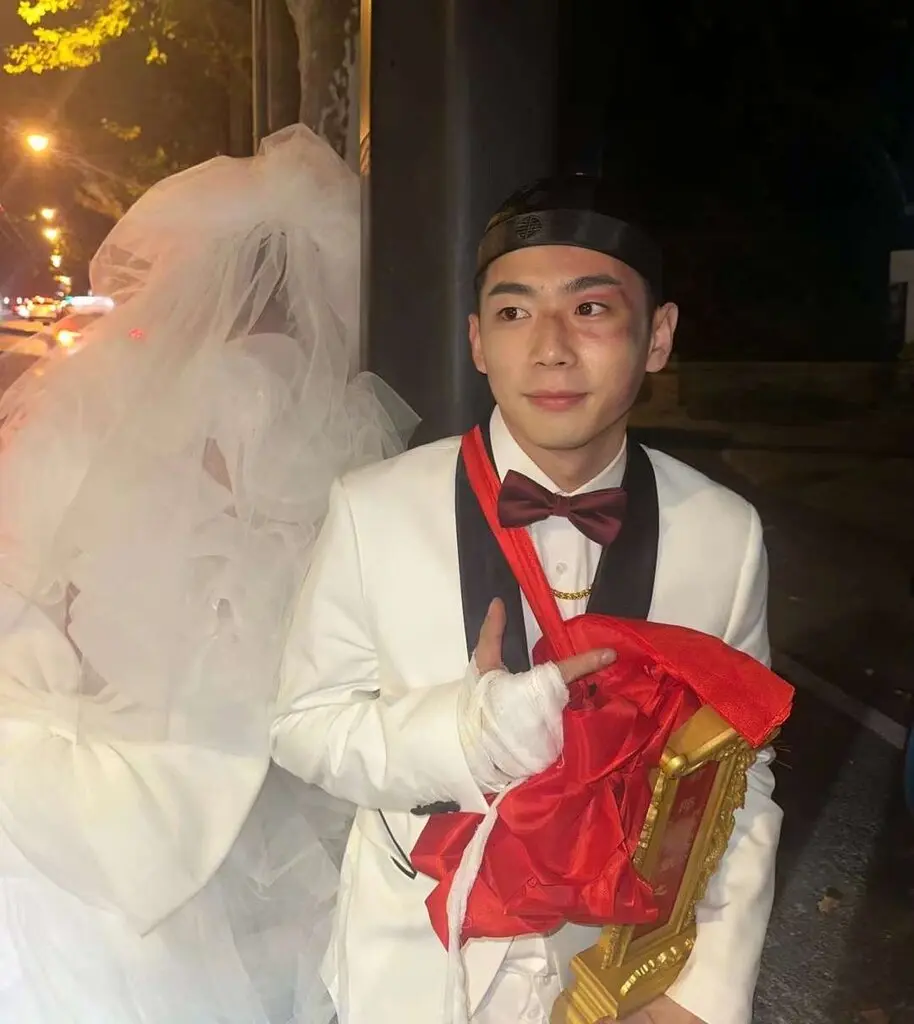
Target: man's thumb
[[580, 665], [491, 633]]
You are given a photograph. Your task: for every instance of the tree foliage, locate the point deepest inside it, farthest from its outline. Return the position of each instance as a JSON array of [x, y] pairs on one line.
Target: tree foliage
[[74, 33], [168, 85], [77, 42]]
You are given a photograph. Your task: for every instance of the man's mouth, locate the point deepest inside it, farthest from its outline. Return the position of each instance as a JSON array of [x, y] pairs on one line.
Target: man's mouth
[[556, 401]]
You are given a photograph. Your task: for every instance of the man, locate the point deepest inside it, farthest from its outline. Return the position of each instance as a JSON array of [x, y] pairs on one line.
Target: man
[[380, 702]]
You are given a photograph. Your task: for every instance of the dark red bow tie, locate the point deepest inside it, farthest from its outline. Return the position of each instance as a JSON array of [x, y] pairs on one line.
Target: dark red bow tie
[[597, 514]]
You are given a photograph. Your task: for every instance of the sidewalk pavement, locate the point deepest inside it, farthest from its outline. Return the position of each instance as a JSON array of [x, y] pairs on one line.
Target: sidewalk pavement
[[842, 932]]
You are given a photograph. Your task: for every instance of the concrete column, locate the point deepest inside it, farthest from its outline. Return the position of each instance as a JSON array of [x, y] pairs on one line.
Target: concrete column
[[462, 110]]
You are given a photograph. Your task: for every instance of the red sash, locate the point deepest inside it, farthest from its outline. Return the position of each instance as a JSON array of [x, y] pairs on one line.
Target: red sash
[[562, 847]]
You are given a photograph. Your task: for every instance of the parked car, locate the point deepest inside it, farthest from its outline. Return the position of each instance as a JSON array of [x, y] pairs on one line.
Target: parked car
[[39, 310], [76, 315], [68, 330]]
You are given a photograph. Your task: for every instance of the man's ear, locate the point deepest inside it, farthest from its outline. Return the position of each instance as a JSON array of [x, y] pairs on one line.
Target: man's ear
[[479, 360], [663, 328]]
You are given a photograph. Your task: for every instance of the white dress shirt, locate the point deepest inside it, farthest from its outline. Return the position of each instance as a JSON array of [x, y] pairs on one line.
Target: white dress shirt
[[568, 558]]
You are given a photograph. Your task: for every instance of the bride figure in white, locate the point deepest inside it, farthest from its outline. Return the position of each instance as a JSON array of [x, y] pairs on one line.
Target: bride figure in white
[[160, 490]]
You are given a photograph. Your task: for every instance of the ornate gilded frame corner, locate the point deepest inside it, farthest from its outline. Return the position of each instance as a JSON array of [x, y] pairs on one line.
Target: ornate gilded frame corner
[[630, 966]]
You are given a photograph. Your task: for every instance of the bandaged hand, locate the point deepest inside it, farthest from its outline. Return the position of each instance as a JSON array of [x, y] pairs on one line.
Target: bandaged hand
[[511, 724]]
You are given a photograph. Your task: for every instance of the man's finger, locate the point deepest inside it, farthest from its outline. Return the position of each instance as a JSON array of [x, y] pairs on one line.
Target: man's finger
[[582, 665], [491, 634]]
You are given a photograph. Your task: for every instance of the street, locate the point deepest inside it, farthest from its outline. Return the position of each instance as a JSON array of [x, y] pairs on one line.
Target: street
[[842, 931]]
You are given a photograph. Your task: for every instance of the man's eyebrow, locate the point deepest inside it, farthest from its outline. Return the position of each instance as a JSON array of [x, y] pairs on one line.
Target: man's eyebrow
[[581, 284], [511, 288]]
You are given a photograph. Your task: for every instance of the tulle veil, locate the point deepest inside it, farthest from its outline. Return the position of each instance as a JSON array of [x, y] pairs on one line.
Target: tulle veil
[[161, 486]]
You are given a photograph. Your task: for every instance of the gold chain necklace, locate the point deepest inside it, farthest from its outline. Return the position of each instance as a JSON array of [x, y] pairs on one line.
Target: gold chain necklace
[[571, 595]]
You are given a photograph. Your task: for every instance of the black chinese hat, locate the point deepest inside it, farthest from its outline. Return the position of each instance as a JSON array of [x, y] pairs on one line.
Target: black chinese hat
[[576, 210]]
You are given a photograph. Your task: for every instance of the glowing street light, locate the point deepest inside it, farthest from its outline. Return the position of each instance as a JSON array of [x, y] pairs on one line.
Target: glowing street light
[[56, 260], [37, 142], [48, 213], [51, 234]]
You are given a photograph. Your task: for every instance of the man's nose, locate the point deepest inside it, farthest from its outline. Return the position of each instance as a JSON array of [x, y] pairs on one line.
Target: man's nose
[[553, 341]]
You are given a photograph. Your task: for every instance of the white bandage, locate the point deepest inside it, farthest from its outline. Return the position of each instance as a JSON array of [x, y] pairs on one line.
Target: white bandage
[[511, 725]]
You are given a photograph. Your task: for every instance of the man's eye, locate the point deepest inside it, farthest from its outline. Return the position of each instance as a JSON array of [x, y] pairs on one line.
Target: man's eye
[[511, 313], [590, 309]]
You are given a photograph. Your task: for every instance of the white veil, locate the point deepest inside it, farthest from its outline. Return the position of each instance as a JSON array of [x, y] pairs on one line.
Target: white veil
[[160, 490]]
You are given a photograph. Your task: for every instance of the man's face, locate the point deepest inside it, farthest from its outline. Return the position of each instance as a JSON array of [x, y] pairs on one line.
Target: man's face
[[565, 338]]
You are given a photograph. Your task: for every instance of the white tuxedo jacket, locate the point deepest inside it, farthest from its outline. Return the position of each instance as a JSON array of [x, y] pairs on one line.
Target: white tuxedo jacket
[[368, 710]]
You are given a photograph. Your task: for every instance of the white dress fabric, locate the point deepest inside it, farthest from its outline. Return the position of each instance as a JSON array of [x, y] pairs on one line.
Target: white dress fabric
[[161, 486]]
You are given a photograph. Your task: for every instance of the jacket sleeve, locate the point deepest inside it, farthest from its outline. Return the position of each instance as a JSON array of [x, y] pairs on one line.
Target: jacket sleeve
[[718, 981], [344, 723]]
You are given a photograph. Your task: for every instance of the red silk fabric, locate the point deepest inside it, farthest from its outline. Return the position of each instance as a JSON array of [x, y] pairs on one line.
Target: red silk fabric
[[562, 847]]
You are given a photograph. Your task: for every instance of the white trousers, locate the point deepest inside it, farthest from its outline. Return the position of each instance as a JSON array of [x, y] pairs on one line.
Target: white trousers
[[524, 990]]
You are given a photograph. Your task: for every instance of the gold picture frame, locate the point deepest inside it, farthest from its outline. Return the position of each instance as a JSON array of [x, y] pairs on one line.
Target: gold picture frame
[[697, 789]]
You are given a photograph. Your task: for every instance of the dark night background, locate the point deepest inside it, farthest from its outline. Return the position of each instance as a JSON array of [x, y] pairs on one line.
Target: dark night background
[[773, 143]]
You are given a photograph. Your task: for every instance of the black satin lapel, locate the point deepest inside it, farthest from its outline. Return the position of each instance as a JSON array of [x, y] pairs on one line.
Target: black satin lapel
[[624, 583], [484, 575]]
